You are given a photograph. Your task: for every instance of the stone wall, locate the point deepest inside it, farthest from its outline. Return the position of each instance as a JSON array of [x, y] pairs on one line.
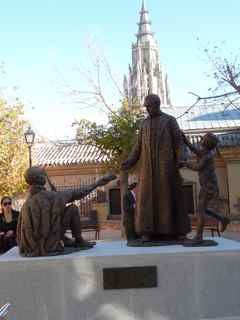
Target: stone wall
[[233, 168], [227, 169]]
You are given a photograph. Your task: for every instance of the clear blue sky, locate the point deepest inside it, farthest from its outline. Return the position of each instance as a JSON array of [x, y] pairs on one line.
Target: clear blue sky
[[43, 41]]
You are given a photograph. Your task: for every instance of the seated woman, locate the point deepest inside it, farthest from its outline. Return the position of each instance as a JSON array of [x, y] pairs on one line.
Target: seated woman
[[8, 225]]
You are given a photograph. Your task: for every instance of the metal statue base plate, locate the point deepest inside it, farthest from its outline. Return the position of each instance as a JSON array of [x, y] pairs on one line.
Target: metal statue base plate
[[155, 243], [202, 243], [67, 250], [130, 278]]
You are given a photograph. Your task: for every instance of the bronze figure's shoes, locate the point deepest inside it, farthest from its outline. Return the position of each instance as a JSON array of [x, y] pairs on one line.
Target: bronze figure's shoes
[[224, 224], [68, 242], [82, 244]]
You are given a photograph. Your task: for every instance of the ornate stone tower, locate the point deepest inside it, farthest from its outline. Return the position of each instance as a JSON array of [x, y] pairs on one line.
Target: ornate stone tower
[[146, 74]]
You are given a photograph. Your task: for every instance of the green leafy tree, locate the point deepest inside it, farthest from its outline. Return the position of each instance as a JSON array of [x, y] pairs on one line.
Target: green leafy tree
[[13, 150], [116, 138]]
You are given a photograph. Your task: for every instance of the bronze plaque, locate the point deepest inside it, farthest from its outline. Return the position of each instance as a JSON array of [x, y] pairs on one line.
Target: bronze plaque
[[130, 278]]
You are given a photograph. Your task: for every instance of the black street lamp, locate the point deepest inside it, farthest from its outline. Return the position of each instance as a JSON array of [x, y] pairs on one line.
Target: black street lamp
[[29, 138]]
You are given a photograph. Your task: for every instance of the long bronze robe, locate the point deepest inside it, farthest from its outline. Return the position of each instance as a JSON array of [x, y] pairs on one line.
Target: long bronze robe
[[160, 207]]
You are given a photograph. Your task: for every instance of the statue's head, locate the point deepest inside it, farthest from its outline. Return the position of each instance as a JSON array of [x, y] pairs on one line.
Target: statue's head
[[210, 141], [35, 176], [152, 103]]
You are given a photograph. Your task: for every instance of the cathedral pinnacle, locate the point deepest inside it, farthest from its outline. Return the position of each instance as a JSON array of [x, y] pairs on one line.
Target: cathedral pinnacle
[[146, 74], [144, 29]]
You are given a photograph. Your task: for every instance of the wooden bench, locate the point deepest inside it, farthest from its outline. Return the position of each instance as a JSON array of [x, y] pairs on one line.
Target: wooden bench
[[90, 222], [210, 225]]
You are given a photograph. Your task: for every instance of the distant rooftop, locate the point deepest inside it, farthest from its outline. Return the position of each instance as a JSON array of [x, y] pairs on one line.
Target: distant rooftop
[[230, 139], [72, 153], [196, 122], [66, 153], [203, 118]]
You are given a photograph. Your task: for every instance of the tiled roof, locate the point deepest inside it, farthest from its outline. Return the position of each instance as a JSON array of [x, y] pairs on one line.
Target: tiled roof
[[66, 153], [70, 153], [231, 139], [204, 118], [194, 123]]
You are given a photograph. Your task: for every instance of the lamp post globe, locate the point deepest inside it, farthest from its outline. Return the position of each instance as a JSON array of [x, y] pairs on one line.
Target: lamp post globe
[[29, 136]]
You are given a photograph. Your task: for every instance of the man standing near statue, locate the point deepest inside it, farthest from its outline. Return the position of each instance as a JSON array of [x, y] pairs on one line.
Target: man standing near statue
[[160, 207], [129, 207]]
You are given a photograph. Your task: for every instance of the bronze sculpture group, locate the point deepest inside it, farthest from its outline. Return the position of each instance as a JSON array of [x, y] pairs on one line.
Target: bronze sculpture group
[[160, 211], [156, 217], [161, 217]]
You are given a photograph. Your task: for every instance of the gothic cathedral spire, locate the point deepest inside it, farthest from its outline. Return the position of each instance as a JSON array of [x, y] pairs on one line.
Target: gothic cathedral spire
[[144, 25], [146, 74]]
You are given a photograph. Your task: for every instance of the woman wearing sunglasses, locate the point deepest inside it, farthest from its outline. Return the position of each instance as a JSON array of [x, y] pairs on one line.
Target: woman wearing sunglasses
[[8, 225]]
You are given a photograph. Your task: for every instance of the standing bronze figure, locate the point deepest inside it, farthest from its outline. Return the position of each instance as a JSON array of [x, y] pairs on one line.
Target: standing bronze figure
[[160, 209], [209, 191]]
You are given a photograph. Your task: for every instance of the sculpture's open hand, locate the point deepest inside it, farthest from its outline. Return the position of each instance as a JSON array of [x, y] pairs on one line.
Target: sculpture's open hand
[[105, 180], [185, 140], [9, 234]]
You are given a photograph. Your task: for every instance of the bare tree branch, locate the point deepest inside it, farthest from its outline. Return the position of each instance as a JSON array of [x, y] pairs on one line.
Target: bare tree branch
[[96, 79], [112, 78], [189, 109], [214, 96]]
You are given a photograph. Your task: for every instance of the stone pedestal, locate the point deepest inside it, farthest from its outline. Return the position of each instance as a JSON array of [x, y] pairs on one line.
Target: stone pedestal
[[192, 284]]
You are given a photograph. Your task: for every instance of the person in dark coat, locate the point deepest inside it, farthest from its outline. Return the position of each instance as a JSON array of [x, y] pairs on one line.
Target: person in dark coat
[[160, 208], [8, 225], [129, 206]]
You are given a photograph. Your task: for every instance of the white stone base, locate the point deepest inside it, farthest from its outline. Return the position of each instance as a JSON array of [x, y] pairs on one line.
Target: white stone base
[[193, 284]]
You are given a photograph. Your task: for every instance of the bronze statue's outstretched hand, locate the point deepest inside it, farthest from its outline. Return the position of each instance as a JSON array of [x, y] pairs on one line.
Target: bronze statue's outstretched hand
[[185, 139], [105, 180], [52, 186], [189, 144]]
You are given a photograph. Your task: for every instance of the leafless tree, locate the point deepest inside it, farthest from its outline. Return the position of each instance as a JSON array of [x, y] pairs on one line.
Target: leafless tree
[[97, 79], [226, 73]]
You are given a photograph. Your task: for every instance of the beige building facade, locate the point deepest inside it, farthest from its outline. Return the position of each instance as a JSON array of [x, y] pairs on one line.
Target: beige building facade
[[70, 174], [228, 174]]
